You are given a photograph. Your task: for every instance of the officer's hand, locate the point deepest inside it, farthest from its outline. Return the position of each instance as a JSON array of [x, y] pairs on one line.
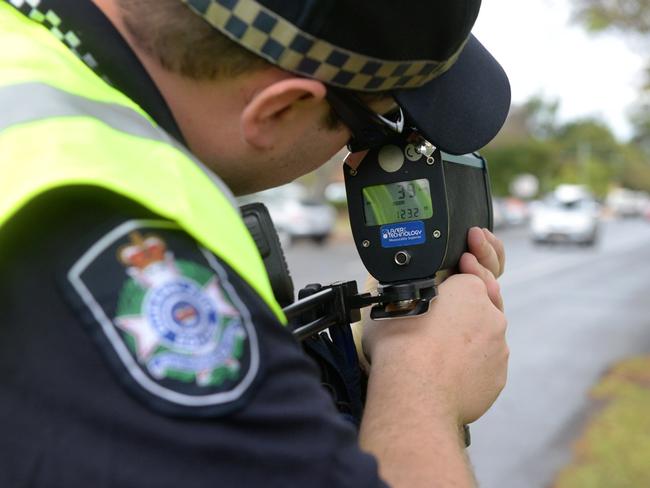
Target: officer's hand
[[486, 259], [488, 250], [457, 352]]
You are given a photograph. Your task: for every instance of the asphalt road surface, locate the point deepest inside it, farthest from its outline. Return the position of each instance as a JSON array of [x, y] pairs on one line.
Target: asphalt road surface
[[572, 313]]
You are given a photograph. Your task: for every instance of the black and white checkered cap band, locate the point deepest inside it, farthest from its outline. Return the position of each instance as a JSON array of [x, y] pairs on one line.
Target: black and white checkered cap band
[[272, 37]]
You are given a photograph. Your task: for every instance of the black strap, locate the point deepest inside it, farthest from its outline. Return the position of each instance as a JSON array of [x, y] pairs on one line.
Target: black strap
[[340, 376]]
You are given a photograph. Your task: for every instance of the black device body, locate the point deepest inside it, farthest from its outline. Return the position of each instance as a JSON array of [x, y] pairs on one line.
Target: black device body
[[411, 207], [452, 195], [260, 226]]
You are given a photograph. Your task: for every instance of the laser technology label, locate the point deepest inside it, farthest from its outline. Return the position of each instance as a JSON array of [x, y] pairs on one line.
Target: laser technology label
[[402, 234]]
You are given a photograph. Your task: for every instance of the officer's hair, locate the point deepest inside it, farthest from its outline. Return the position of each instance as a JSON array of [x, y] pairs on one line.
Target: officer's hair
[[184, 43]]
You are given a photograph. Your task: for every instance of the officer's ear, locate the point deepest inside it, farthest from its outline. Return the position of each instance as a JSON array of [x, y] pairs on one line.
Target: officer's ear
[[281, 111]]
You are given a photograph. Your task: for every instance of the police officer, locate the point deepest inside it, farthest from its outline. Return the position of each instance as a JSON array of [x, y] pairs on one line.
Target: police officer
[[141, 342]]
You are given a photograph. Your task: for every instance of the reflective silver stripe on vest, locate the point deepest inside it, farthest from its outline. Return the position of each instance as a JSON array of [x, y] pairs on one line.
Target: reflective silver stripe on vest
[[31, 102]]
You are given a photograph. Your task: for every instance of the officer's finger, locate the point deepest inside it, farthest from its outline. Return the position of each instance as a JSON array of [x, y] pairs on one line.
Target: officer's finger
[[497, 244], [469, 265], [485, 253]]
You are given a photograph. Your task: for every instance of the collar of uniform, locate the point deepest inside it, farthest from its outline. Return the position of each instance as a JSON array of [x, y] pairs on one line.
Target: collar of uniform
[[86, 31]]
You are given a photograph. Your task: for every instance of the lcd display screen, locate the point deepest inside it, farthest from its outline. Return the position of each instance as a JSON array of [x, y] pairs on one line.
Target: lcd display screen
[[397, 202]]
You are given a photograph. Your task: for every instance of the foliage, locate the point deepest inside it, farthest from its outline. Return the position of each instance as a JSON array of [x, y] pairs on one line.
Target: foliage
[[640, 118], [632, 19], [528, 156], [541, 116], [581, 151], [624, 15], [614, 449]]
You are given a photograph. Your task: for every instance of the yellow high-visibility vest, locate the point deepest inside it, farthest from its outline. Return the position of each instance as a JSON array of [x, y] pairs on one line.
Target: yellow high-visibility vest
[[61, 125]]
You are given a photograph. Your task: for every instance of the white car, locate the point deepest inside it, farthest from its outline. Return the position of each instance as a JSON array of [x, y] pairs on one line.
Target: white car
[[627, 203], [566, 215]]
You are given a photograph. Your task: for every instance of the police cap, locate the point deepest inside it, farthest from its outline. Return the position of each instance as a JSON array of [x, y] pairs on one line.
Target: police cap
[[421, 51]]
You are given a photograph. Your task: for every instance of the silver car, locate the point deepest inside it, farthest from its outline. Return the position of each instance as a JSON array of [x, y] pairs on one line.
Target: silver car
[[569, 214]]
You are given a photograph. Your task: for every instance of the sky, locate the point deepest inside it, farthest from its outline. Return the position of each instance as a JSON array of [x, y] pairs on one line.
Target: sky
[[545, 54]]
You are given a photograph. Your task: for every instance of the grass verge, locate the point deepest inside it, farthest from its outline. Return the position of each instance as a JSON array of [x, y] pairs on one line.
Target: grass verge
[[614, 449]]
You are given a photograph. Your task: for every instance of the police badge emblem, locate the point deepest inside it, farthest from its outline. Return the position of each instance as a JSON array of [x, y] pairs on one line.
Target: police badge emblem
[[174, 322]]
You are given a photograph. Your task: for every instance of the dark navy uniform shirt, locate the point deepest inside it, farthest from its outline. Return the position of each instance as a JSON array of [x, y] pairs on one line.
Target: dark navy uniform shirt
[[101, 300]]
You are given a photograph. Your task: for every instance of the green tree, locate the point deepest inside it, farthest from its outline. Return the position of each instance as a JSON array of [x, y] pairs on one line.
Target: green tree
[[634, 169], [525, 145], [640, 118], [589, 155], [580, 151], [628, 16], [532, 156], [541, 117], [632, 19]]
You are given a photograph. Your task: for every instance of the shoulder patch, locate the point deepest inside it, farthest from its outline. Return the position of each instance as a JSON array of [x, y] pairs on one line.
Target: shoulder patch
[[170, 322]]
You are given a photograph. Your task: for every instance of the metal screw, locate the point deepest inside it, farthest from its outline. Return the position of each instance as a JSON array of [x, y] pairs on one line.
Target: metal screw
[[437, 234], [353, 172], [365, 243]]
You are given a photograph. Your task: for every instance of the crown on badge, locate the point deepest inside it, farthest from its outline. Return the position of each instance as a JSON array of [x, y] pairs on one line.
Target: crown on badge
[[142, 251]]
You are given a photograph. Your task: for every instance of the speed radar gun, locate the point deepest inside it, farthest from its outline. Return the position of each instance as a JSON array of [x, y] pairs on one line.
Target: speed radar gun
[[411, 207]]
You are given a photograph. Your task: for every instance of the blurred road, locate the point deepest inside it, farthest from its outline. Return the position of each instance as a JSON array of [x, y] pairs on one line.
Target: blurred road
[[572, 312]]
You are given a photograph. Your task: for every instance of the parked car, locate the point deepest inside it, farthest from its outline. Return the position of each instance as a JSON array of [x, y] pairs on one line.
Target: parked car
[[498, 213], [569, 214], [627, 203], [516, 211], [295, 214]]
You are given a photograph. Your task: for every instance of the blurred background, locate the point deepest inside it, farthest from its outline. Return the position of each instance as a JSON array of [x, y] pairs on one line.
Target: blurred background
[[571, 182]]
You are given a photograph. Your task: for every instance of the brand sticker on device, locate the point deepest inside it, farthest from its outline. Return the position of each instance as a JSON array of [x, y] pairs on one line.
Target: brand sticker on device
[[403, 234]]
